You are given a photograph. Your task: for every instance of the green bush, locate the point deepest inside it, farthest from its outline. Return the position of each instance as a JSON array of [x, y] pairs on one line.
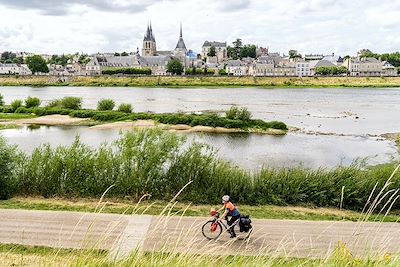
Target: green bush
[[9, 162], [16, 104], [54, 104], [83, 113], [105, 104], [1, 100], [71, 102], [109, 116], [23, 110], [222, 72], [32, 102], [126, 108], [234, 113]]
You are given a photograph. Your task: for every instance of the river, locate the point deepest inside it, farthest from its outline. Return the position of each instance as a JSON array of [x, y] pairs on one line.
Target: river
[[337, 126]]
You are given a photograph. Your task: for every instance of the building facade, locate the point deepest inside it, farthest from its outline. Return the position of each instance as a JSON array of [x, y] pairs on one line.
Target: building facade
[[221, 50], [14, 69]]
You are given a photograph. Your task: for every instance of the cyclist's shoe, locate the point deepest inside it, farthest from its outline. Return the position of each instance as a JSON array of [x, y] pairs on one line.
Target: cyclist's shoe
[[233, 236]]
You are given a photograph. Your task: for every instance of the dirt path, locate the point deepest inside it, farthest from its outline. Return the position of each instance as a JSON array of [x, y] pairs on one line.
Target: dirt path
[[121, 234]]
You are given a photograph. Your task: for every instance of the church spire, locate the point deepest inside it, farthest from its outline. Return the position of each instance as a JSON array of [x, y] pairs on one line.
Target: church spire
[[181, 44]]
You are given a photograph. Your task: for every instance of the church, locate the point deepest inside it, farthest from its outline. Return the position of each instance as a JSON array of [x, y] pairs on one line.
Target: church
[[150, 58], [150, 45]]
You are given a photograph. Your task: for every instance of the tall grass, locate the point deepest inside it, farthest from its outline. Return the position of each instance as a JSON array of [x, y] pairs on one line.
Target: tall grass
[[160, 163]]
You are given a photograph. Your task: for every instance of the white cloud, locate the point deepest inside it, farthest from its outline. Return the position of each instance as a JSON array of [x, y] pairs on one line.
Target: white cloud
[[320, 26]]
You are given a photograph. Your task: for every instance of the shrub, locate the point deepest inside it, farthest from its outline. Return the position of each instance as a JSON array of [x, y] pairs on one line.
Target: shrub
[[54, 104], [222, 72], [32, 102], [16, 104], [109, 116], [1, 100], [105, 104], [83, 113], [8, 163], [22, 110], [71, 102], [244, 115], [126, 108], [234, 113]]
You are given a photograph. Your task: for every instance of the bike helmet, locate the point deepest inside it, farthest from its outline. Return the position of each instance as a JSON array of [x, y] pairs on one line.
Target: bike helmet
[[225, 198]]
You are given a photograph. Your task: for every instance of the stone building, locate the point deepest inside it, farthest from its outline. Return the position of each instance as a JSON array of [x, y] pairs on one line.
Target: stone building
[[149, 43], [221, 50], [365, 67]]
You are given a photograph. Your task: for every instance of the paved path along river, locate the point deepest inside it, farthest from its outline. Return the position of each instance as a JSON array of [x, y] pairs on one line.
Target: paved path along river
[[122, 233]]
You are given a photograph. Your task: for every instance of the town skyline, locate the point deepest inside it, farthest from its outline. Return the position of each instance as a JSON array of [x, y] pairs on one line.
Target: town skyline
[[115, 26]]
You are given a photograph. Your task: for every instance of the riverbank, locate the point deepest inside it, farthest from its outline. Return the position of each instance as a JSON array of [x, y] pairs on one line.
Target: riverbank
[[207, 81]]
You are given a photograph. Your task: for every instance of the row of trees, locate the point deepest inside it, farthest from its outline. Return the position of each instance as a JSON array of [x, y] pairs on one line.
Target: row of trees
[[127, 71], [331, 70], [392, 58], [10, 58]]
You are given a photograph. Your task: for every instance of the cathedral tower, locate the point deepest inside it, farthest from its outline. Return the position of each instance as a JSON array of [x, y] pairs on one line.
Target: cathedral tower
[[149, 43]]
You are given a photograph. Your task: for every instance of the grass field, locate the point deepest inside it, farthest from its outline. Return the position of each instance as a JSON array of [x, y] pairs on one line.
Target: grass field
[[173, 81], [17, 255], [118, 206]]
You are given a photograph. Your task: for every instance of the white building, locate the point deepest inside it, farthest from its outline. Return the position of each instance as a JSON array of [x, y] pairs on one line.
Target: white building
[[14, 69], [157, 64], [303, 68], [237, 68], [388, 69]]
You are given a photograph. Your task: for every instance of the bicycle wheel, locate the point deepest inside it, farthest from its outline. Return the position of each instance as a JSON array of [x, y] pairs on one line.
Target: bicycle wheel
[[211, 230]]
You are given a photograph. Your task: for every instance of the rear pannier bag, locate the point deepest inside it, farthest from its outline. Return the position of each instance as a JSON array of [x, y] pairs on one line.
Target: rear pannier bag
[[245, 223]]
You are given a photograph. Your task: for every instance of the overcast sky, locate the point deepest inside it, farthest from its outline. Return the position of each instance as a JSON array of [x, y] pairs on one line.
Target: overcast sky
[[317, 26]]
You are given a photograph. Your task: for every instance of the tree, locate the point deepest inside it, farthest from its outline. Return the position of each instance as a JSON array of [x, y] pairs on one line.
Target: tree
[[238, 51], [175, 67], [331, 70], [124, 54], [212, 52], [84, 59], [294, 54], [59, 60], [37, 64], [248, 51]]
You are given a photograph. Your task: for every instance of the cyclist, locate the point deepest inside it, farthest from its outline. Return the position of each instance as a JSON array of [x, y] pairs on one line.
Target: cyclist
[[230, 210]]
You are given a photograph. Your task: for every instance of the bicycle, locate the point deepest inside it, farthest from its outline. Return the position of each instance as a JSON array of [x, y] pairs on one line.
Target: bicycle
[[213, 228]]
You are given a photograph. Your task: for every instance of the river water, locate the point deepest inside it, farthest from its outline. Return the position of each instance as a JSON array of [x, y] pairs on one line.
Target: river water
[[337, 126]]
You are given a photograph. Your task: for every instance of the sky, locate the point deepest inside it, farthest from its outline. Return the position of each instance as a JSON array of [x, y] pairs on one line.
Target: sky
[[309, 26]]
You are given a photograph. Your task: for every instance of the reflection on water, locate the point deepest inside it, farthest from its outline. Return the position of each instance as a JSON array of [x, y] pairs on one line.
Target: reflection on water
[[250, 151]]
